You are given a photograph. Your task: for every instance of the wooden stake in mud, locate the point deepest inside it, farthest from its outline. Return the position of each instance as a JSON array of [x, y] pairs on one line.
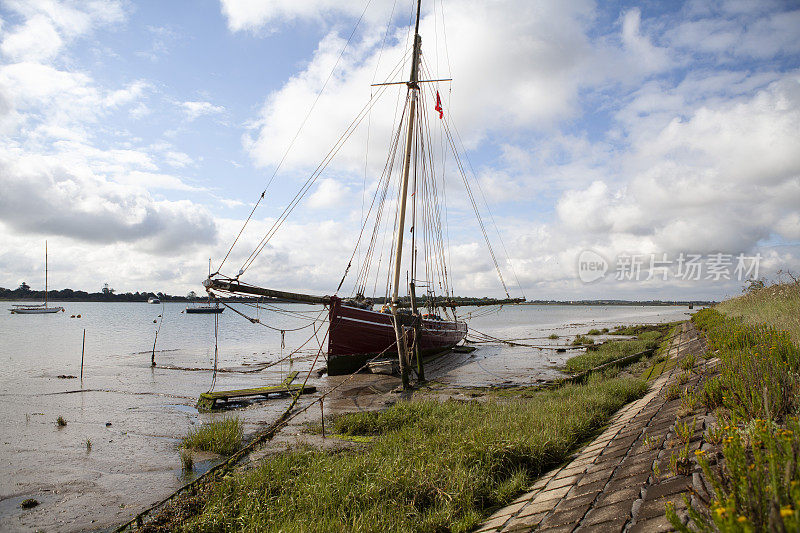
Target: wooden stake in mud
[[322, 416], [153, 355], [83, 349]]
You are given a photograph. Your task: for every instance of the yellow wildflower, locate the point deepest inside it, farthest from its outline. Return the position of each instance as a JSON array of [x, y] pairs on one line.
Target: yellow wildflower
[[786, 511]]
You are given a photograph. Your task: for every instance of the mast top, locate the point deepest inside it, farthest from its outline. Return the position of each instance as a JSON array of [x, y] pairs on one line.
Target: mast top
[[416, 26]]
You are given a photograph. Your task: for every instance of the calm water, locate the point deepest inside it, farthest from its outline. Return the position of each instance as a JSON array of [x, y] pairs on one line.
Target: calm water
[[134, 415]]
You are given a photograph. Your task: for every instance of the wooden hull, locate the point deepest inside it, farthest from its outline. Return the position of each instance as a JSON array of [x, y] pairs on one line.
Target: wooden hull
[[356, 335], [204, 310], [35, 310]]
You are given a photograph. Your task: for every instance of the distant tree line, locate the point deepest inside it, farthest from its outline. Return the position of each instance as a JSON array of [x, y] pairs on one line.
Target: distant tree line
[[106, 294]]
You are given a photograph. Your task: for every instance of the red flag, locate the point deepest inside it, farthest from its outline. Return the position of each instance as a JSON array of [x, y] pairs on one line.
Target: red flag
[[439, 105]]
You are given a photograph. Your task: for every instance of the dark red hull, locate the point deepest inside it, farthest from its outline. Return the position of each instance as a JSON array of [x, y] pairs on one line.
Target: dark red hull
[[356, 335]]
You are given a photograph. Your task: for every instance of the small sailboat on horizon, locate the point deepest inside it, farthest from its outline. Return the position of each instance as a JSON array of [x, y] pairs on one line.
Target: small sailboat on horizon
[[37, 309]]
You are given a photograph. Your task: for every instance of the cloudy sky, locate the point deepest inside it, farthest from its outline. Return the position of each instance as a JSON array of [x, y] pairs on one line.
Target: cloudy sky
[[136, 136]]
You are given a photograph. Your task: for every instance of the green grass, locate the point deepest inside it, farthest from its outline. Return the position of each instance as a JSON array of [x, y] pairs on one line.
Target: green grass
[[220, 436], [187, 459], [759, 366], [756, 398], [776, 305], [431, 466], [634, 330], [612, 350], [581, 340]]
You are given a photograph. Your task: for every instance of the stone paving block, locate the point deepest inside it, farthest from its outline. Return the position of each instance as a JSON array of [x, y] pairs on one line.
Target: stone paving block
[[589, 488], [550, 494], [509, 509], [557, 529], [575, 501], [582, 460], [594, 447], [613, 454], [619, 511], [528, 496], [491, 525], [577, 472], [600, 442], [610, 526], [609, 462], [617, 446], [643, 457], [654, 525], [543, 480], [675, 485], [561, 518], [578, 464], [600, 466], [562, 481], [631, 476], [661, 422], [629, 436], [527, 523], [538, 507], [532, 509], [600, 475], [614, 496], [654, 508]]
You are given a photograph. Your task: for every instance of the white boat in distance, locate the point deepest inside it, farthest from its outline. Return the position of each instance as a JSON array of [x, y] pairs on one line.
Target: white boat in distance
[[37, 309]]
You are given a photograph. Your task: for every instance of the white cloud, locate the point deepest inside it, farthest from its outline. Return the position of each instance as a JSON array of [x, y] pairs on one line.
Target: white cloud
[[36, 40], [178, 159], [60, 176], [195, 109], [46, 195], [498, 88], [727, 177], [50, 24], [127, 95], [254, 14], [644, 53], [755, 30], [329, 193]]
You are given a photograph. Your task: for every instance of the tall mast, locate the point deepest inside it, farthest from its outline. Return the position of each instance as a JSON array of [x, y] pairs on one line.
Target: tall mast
[[412, 92]]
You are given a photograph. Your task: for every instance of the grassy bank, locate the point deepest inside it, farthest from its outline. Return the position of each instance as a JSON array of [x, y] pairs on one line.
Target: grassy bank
[[430, 465], [220, 436], [647, 338], [756, 398], [420, 465], [776, 305]]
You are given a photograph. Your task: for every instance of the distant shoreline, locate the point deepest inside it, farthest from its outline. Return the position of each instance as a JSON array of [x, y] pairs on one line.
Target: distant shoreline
[[180, 299]]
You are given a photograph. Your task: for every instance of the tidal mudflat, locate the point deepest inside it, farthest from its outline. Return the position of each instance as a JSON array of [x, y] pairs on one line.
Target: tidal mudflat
[[134, 415]]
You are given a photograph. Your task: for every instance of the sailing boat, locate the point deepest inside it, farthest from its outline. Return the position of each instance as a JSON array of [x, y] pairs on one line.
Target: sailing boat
[[357, 333], [209, 309], [37, 309]]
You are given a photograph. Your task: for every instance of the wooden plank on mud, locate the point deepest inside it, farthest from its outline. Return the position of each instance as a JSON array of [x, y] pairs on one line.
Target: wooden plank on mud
[[208, 400]]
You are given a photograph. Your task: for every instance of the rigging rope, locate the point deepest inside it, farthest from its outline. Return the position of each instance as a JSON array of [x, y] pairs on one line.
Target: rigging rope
[[316, 174], [216, 351], [299, 129]]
